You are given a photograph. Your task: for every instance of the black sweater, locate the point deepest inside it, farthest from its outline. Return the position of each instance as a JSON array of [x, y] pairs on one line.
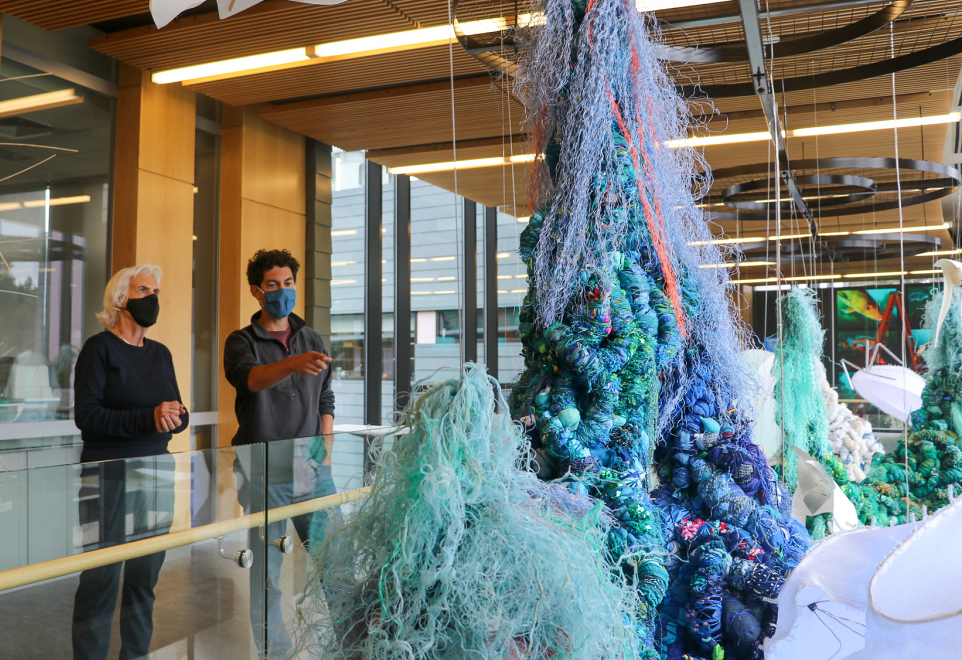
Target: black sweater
[[116, 388], [292, 408]]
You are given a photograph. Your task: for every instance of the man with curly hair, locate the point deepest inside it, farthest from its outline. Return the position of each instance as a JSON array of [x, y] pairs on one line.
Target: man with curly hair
[[279, 368]]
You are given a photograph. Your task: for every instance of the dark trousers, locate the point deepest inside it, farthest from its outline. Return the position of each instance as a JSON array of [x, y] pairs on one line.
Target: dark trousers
[[96, 595], [254, 492]]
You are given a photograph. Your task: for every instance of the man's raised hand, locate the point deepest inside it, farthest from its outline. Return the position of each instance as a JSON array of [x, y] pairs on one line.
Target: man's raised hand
[[310, 364]]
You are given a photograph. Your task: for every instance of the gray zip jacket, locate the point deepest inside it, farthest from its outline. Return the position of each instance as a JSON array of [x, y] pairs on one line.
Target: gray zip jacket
[[293, 407]]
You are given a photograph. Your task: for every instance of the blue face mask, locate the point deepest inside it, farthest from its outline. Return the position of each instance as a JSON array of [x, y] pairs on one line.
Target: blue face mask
[[279, 302]]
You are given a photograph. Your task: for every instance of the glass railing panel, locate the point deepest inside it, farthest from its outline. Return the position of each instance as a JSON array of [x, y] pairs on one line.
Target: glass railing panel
[[198, 554], [307, 471], [129, 557]]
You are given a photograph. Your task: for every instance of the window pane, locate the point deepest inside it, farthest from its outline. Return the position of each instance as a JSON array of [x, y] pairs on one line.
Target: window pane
[[512, 285], [347, 285], [53, 241], [435, 279], [387, 296]]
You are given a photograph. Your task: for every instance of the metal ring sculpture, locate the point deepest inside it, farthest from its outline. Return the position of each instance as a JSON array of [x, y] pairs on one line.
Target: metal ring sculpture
[[490, 48], [735, 51], [867, 187], [849, 248], [930, 189], [854, 74]]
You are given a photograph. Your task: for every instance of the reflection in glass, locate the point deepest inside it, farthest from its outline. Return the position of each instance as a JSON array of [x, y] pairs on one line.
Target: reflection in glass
[[205, 282], [53, 242], [296, 471]]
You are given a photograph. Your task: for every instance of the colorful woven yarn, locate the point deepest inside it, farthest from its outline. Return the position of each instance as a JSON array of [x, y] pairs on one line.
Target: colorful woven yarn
[[630, 344], [720, 493]]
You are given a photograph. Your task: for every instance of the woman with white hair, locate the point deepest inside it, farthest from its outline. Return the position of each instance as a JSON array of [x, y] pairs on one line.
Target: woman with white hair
[[127, 404]]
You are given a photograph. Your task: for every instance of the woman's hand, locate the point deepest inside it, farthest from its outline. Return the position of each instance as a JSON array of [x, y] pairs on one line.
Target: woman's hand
[[167, 416]]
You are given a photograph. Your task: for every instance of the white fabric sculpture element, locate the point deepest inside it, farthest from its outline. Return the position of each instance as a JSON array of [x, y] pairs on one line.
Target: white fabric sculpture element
[[765, 432], [851, 437], [953, 278], [818, 493], [895, 390], [887, 593], [164, 11]]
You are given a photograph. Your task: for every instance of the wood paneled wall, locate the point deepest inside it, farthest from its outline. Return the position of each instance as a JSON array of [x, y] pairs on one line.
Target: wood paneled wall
[[154, 205], [263, 195]]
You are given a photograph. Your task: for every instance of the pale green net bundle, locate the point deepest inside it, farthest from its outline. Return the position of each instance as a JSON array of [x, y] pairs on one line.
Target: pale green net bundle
[[459, 553], [799, 406], [942, 399]]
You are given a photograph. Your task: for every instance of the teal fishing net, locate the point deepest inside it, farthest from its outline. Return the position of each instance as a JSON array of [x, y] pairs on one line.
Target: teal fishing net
[[460, 552], [917, 474], [942, 397], [799, 406]]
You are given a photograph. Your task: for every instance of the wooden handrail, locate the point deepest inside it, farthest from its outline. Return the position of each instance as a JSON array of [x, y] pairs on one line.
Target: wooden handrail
[[24, 575]]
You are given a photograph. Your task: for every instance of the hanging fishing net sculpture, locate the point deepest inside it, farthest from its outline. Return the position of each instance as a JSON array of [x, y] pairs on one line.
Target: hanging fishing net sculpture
[[898, 485], [906, 482], [461, 553], [799, 406], [632, 368], [942, 397]]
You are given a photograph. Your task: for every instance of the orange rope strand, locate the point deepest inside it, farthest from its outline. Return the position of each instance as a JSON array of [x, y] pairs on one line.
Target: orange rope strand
[[655, 226]]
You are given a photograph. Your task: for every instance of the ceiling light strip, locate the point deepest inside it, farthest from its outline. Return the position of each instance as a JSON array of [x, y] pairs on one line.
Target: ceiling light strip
[[788, 279], [757, 239], [393, 42], [735, 138], [712, 140], [461, 164]]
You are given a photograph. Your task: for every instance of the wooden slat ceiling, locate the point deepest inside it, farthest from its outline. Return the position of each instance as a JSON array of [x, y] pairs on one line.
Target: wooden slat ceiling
[[396, 106], [266, 27], [480, 112], [361, 73], [59, 15]]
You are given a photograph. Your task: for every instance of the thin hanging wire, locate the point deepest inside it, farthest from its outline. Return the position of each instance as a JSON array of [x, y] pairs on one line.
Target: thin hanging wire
[[903, 310], [778, 240], [768, 239], [459, 239], [514, 195]]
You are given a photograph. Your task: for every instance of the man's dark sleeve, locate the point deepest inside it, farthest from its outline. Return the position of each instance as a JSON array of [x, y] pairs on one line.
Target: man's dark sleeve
[[238, 361], [326, 401], [185, 418], [90, 414]]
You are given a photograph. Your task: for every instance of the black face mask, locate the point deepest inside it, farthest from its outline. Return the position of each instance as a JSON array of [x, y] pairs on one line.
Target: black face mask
[[144, 310]]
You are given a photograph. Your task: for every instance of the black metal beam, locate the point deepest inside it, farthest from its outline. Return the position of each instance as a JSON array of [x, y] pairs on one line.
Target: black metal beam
[[373, 346], [403, 353], [756, 59], [469, 281], [491, 289]]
